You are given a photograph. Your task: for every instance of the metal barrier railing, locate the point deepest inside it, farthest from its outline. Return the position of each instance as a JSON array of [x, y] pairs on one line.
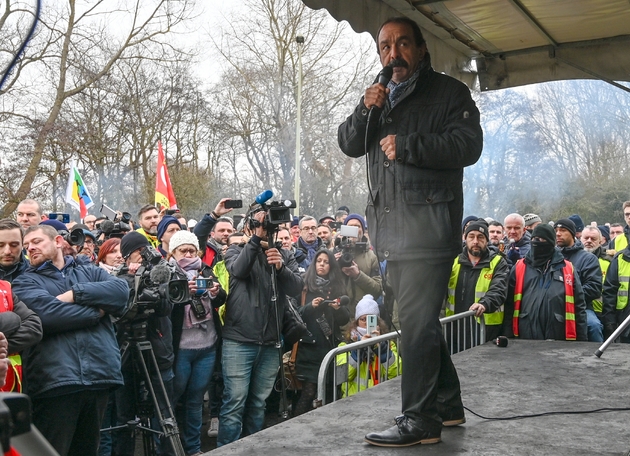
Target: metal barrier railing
[[461, 331]]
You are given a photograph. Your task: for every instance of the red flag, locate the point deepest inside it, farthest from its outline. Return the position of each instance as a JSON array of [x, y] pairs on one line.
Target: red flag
[[164, 195]]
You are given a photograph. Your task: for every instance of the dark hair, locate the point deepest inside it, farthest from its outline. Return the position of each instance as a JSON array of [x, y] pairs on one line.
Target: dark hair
[[495, 223], [10, 224], [107, 248], [615, 225], [417, 33], [146, 208], [335, 276]]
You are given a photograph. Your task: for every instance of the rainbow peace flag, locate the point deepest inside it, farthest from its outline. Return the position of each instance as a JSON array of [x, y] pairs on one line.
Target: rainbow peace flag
[[77, 194]]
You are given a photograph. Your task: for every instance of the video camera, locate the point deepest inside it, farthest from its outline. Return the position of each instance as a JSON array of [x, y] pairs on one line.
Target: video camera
[[155, 280], [277, 212], [115, 226], [347, 247]]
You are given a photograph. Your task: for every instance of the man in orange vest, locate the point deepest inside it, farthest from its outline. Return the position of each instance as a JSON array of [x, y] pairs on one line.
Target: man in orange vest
[[545, 297]]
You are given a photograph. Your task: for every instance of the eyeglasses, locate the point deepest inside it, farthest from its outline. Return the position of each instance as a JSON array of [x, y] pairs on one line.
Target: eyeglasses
[[363, 318], [190, 252], [309, 228]]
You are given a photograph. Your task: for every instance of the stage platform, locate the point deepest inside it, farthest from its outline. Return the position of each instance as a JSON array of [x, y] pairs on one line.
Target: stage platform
[[527, 377]]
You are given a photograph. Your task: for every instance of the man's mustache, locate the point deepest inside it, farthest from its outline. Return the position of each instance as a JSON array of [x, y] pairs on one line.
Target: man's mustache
[[398, 63]]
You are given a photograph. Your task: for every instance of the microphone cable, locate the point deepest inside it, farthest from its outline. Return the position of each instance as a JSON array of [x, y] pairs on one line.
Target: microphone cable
[[560, 412], [7, 71], [383, 78]]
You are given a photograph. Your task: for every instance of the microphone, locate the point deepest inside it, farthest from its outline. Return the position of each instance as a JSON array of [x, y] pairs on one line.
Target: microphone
[[501, 341], [107, 226], [160, 273], [344, 300], [263, 197], [384, 77]]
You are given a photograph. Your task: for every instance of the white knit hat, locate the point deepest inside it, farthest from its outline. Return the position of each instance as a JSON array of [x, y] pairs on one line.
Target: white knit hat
[[183, 237], [366, 306]]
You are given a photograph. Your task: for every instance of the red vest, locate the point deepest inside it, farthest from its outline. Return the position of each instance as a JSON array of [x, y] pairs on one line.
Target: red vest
[[569, 315], [13, 382]]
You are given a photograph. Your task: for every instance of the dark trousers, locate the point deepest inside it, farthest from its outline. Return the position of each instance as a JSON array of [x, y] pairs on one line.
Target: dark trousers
[[71, 422], [429, 379]]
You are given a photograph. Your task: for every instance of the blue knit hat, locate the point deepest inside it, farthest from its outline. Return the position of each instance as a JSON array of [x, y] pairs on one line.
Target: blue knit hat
[[356, 217], [577, 221], [164, 223]]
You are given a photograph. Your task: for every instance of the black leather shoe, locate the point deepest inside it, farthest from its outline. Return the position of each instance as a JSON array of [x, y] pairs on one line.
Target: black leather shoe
[[406, 432], [452, 417]]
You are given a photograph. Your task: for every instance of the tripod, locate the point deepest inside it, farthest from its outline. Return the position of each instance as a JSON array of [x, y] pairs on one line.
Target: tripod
[[622, 327], [139, 349]]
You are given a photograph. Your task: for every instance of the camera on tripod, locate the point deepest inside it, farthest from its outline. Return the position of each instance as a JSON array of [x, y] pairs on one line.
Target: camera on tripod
[[277, 212], [156, 280], [348, 247]]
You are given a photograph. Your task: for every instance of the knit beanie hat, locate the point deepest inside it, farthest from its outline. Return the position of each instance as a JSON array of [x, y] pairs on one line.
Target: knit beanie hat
[[355, 217], [164, 223], [605, 230], [545, 232], [478, 225], [567, 224], [366, 306], [530, 219], [181, 238], [470, 218], [577, 220], [131, 242]]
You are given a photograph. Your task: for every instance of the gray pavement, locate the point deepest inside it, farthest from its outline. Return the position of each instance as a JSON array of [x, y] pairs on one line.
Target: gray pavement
[[526, 377]]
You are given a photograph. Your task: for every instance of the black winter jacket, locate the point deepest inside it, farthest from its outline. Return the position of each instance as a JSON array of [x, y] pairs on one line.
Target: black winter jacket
[[314, 346], [249, 314], [610, 315], [542, 314], [587, 266], [79, 348], [418, 198]]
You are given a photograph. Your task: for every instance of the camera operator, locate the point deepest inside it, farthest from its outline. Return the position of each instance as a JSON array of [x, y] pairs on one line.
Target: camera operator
[[362, 276], [250, 357], [72, 241], [70, 372], [159, 334]]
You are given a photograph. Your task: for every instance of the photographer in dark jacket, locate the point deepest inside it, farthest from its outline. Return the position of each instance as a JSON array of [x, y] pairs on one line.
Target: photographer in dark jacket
[[250, 356], [159, 334]]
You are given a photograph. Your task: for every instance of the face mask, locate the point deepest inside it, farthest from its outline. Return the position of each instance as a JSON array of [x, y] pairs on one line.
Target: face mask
[[542, 252], [361, 331]]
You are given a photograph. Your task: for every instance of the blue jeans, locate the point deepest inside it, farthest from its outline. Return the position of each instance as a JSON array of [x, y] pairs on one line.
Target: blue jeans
[[249, 372], [193, 370], [595, 327]]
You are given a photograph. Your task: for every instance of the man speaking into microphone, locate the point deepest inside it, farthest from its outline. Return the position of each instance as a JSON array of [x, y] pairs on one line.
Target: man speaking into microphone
[[424, 129]]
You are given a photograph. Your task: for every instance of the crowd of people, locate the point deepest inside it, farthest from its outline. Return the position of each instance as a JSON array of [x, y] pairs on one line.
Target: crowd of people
[[66, 303]]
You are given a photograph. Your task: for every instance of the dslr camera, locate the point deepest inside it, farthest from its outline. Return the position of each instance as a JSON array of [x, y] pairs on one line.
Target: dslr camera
[[348, 247]]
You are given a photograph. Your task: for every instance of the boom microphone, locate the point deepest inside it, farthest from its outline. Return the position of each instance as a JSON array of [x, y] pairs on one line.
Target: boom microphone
[[107, 226], [263, 197], [344, 300], [160, 273]]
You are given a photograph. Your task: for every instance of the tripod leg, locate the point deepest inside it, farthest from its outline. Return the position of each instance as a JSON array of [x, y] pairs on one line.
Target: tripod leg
[[168, 425], [622, 327]]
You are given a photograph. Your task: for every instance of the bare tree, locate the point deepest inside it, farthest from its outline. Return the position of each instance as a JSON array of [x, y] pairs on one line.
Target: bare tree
[[77, 51], [258, 91]]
